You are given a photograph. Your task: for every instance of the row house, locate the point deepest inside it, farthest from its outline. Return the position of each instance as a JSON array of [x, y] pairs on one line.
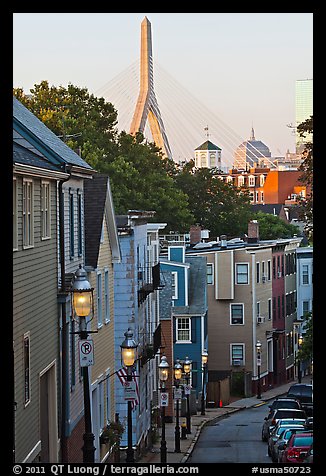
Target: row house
[[102, 252], [136, 288], [249, 289], [48, 247], [187, 308]]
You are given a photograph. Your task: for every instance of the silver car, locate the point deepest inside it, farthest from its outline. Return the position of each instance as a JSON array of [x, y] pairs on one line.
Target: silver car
[[280, 434], [278, 414]]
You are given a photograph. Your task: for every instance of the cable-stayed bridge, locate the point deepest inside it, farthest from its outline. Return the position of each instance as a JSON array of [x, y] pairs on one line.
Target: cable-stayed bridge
[[170, 115]]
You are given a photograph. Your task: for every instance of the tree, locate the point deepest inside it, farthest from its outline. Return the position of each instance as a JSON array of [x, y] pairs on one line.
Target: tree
[[140, 177], [272, 227], [306, 168], [306, 349], [216, 205]]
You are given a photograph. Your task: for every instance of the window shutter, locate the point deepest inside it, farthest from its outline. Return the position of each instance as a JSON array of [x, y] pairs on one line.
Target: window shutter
[[193, 329]]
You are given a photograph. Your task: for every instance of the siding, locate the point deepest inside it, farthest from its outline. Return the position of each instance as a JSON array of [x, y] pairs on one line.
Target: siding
[[34, 310]]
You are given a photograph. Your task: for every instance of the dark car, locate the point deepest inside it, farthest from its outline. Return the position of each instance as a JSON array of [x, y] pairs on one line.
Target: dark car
[[285, 402], [304, 393], [276, 436], [280, 443], [297, 447], [278, 414]]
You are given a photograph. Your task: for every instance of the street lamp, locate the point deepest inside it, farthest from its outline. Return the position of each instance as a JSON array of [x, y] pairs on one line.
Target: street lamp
[[177, 377], [187, 369], [128, 357], [82, 294], [300, 340], [204, 358], [258, 349], [163, 370]]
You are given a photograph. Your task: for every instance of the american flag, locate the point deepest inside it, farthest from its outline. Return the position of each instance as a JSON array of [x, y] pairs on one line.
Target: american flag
[[122, 374]]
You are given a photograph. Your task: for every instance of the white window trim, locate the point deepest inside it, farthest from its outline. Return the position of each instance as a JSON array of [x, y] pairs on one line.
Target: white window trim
[[45, 234], [236, 273], [99, 300], [107, 307], [251, 180], [15, 215], [243, 353], [177, 329], [243, 316], [31, 245], [176, 290], [211, 265]]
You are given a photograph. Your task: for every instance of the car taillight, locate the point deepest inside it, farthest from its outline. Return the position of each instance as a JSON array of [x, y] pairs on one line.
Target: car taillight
[[273, 422], [294, 452]]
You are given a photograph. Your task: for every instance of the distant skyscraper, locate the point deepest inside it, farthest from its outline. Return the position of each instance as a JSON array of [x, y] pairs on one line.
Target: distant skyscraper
[[251, 152], [303, 108]]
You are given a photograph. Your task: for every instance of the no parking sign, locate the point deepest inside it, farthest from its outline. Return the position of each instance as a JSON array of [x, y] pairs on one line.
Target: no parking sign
[[164, 399], [86, 352]]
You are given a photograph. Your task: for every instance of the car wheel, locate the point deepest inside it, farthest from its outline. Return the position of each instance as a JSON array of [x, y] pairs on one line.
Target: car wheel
[[263, 437]]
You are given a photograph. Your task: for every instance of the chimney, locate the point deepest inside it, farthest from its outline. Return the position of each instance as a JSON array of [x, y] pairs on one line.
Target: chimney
[[195, 234], [224, 241], [253, 231]]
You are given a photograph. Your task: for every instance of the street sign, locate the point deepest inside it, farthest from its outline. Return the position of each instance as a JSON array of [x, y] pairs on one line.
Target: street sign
[[177, 393], [86, 352], [130, 392], [164, 399]]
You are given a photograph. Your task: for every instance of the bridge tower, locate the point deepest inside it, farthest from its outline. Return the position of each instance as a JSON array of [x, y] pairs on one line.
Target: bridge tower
[[147, 105]]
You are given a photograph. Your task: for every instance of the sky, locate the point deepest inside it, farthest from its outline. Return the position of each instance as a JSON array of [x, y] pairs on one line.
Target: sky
[[242, 66]]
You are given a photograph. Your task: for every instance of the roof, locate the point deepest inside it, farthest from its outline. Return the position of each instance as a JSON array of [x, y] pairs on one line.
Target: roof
[[271, 208], [25, 156], [42, 137], [98, 204], [208, 145]]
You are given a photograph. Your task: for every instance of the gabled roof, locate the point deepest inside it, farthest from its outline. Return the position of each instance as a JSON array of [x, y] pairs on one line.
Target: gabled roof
[[43, 139], [99, 204], [208, 145], [25, 156]]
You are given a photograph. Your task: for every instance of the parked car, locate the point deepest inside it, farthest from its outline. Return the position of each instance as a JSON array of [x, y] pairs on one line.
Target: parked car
[[309, 423], [304, 393], [285, 402], [310, 455], [275, 436], [280, 443], [296, 449], [272, 419]]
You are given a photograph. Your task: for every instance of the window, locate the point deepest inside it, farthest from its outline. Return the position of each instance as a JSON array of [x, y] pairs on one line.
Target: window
[[269, 309], [251, 180], [269, 270], [45, 210], [99, 299], [72, 354], [71, 225], [210, 276], [106, 295], [174, 285], [262, 197], [262, 180], [79, 229], [237, 354], [305, 274], [257, 196], [184, 329], [240, 181], [108, 396], [27, 376], [257, 272], [242, 273], [305, 308], [101, 404], [237, 314], [14, 215], [28, 214]]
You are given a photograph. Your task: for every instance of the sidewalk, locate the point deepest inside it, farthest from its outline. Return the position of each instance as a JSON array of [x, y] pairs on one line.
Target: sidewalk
[[198, 421]]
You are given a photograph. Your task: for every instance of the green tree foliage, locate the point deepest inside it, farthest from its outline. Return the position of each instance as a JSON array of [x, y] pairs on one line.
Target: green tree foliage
[[140, 177], [216, 205], [306, 349], [306, 178], [272, 227]]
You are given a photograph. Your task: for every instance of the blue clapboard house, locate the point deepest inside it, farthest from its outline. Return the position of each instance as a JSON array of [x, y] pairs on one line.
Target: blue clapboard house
[[189, 308]]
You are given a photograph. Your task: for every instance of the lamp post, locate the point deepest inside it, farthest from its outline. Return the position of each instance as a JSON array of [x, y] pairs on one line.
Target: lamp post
[[177, 377], [204, 358], [258, 349], [82, 294], [128, 357], [300, 340], [187, 370], [163, 369]]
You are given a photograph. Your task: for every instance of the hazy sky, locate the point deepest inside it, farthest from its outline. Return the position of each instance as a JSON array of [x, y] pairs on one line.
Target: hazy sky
[[243, 66]]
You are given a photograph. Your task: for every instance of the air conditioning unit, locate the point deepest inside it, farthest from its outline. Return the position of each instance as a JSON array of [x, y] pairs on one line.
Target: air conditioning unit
[[264, 279], [279, 274], [237, 362], [260, 319]]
